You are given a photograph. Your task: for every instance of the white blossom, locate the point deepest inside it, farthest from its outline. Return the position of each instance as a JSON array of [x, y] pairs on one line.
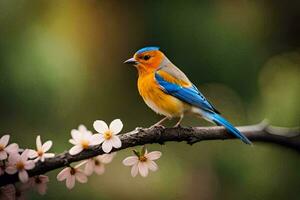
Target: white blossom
[[6, 149], [96, 164], [109, 137], [83, 139], [19, 163], [71, 174], [41, 149], [142, 162]]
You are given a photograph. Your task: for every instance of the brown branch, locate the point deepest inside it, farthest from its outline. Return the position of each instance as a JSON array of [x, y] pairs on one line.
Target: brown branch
[[287, 137]]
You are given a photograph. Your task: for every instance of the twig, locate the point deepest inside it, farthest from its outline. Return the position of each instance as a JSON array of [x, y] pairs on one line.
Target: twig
[[262, 132]]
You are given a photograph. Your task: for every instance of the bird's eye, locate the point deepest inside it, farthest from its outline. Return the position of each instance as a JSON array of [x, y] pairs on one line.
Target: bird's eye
[[146, 57]]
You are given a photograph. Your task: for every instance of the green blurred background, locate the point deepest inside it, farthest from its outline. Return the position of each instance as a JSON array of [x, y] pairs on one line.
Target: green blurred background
[[61, 66]]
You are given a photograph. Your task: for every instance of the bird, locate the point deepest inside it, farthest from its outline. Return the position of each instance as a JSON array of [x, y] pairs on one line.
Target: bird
[[169, 92]]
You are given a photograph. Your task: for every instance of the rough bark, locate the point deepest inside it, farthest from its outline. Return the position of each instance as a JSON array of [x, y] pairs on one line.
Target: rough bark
[[286, 137]]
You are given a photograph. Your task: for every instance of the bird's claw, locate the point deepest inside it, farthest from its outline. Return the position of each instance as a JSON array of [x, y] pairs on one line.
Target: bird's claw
[[156, 126]]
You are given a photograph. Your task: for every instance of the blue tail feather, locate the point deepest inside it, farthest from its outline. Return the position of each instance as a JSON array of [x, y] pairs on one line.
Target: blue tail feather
[[218, 119]]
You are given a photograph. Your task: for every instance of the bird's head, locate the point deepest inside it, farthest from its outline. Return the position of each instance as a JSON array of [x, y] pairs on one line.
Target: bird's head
[[147, 59]]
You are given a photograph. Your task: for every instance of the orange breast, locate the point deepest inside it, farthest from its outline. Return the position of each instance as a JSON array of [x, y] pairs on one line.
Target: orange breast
[[158, 100]]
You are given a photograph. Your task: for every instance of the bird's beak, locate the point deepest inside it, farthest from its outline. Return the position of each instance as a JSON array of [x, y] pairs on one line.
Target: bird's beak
[[131, 61]]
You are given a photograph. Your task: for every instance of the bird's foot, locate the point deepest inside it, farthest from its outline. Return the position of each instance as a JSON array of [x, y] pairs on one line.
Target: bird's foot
[[156, 126], [177, 126]]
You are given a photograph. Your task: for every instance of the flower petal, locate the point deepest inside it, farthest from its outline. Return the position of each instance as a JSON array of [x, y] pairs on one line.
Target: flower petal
[[24, 155], [72, 141], [80, 164], [70, 182], [116, 126], [82, 128], [12, 148], [49, 155], [143, 169], [131, 160], [47, 145], [154, 155], [96, 139], [23, 176], [11, 170], [106, 158], [32, 154], [76, 135], [107, 146], [4, 140], [63, 174], [115, 141], [100, 126], [38, 158], [152, 165], [13, 158], [99, 169], [102, 139], [134, 170], [81, 177], [29, 165], [3, 155], [87, 135], [75, 149], [38, 142], [89, 167]]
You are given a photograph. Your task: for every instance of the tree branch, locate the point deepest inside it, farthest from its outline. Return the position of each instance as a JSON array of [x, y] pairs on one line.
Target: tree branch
[[287, 137]]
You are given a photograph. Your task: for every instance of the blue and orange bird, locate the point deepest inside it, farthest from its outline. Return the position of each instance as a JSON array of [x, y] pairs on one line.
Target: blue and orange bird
[[168, 91]]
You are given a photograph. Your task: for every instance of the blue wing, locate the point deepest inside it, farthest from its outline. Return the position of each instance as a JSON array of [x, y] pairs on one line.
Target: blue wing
[[190, 95], [193, 96]]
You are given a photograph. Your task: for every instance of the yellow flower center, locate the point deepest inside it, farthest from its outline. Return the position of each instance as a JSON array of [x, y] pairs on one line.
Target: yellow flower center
[[107, 135], [20, 165], [142, 158], [85, 144], [40, 153], [1, 147]]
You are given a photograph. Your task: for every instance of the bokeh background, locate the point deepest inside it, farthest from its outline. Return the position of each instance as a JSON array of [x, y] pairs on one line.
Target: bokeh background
[[61, 66]]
